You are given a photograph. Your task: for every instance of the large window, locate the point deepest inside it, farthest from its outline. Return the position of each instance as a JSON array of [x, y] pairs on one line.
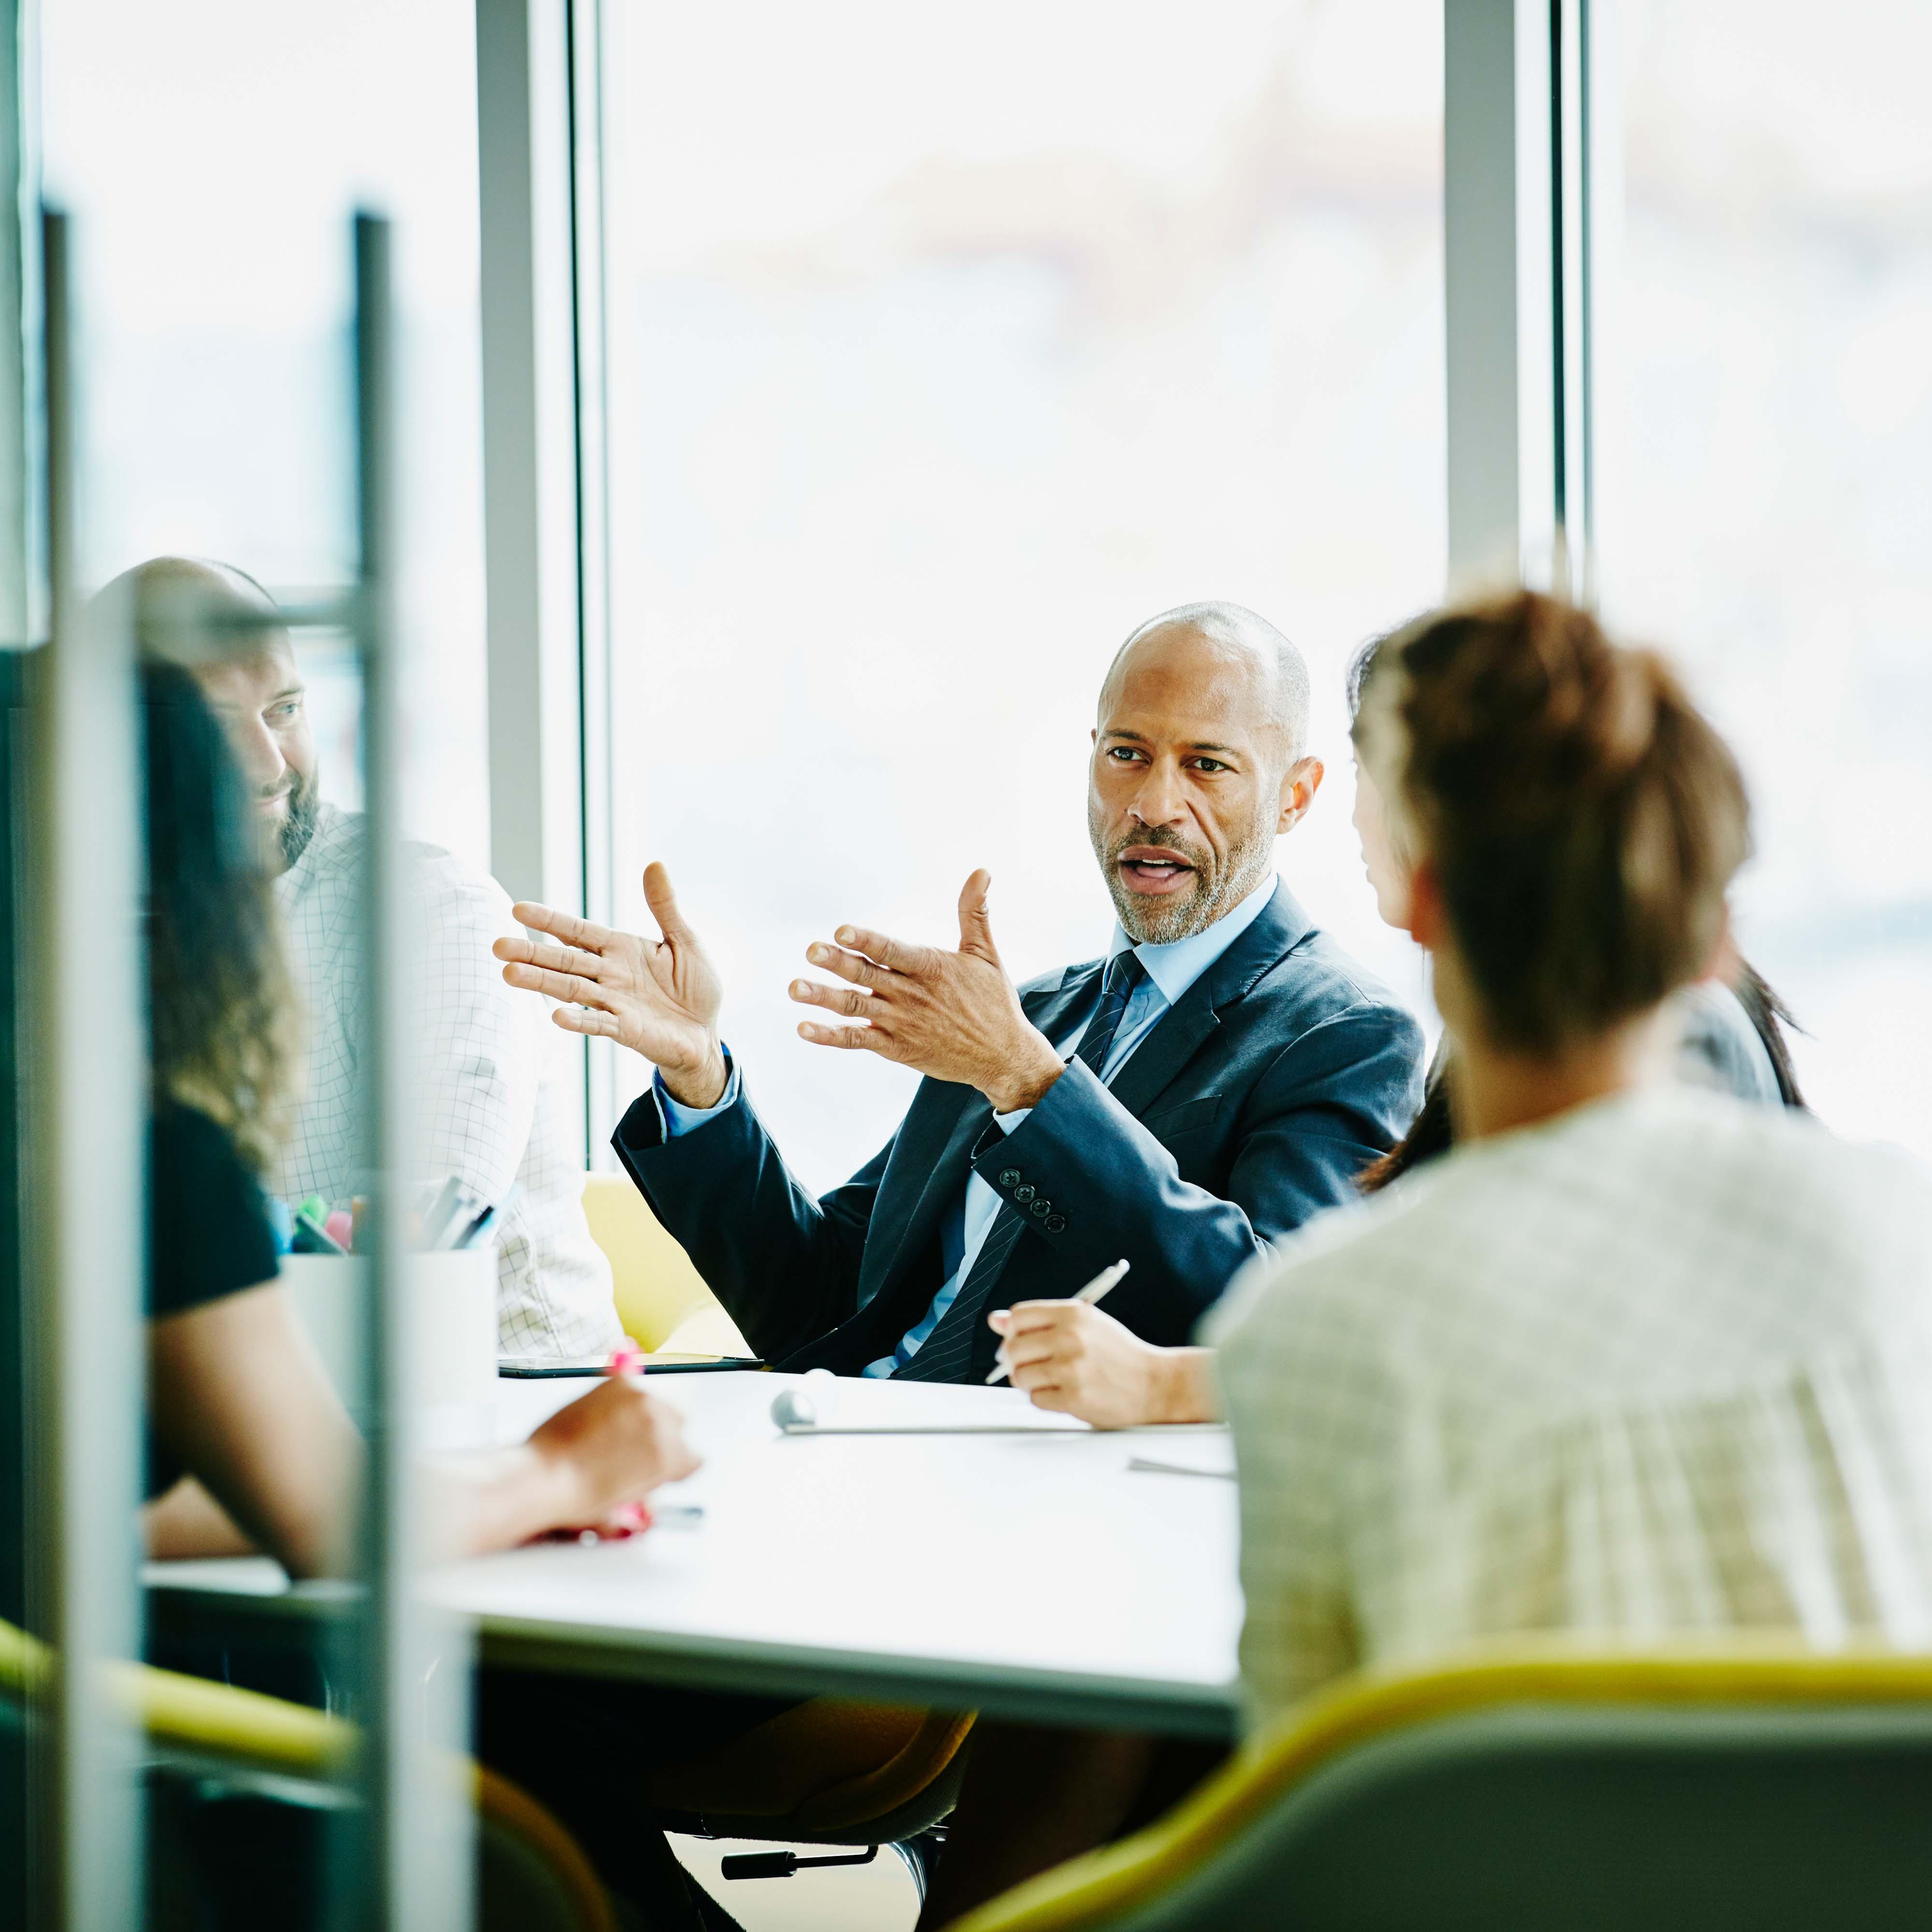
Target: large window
[[940, 357], [1767, 497], [211, 152]]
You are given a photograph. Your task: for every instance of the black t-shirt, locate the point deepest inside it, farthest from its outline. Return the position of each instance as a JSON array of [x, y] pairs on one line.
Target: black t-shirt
[[208, 1228]]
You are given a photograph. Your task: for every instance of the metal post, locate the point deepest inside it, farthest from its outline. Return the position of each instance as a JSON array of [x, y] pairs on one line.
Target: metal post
[[1572, 226], [1518, 231], [88, 1167], [530, 454], [416, 1867], [23, 599], [589, 79]]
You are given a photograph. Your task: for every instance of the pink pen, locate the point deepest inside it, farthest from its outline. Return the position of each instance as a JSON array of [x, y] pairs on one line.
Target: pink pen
[[633, 1519]]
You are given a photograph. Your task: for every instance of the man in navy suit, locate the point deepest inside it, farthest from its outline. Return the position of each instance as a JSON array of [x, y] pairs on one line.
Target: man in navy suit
[[1220, 1077]]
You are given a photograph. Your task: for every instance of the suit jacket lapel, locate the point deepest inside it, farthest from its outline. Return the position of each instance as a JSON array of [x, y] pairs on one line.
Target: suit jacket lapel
[[1182, 1033]]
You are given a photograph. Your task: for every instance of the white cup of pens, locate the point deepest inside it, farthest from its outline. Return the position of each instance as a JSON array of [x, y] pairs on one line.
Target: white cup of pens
[[450, 1279]]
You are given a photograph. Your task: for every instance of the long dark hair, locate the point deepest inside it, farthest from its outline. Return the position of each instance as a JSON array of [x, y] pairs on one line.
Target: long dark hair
[[1550, 638], [222, 1013]]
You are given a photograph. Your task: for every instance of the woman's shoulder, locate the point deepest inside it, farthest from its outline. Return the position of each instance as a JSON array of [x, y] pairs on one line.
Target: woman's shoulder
[[208, 1228], [1657, 1158], [189, 1145]]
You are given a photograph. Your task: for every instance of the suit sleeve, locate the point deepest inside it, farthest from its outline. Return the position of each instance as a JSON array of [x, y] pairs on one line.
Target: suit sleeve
[[1332, 1100], [785, 1264]]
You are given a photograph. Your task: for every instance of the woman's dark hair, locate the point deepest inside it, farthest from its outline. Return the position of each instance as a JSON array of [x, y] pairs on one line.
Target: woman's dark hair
[[1581, 818], [1769, 1015], [221, 1011]]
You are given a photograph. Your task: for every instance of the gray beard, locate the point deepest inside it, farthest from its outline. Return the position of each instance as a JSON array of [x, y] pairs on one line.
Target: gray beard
[[1160, 921], [296, 830]]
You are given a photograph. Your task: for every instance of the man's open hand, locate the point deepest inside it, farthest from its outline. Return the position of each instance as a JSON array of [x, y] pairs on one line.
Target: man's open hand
[[951, 1015], [659, 997]]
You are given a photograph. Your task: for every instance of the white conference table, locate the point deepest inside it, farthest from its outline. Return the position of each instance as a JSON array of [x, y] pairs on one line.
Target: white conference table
[[1030, 1574]]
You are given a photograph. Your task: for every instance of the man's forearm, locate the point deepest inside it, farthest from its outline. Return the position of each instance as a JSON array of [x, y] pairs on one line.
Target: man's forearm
[[1185, 1387], [785, 1266], [701, 1087], [1025, 1081]]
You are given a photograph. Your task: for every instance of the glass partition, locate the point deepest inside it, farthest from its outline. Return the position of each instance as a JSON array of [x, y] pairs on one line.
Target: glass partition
[[212, 153]]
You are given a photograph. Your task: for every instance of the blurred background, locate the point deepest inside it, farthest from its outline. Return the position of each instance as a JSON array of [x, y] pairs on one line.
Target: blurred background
[[938, 357]]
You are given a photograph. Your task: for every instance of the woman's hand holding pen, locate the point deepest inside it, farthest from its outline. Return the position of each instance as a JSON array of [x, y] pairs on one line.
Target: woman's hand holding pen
[[608, 1450]]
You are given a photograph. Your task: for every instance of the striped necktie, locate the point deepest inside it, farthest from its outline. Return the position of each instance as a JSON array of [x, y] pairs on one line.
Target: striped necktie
[[946, 1351]]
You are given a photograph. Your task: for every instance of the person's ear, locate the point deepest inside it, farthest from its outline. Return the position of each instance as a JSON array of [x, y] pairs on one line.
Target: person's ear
[[1428, 921], [1299, 785]]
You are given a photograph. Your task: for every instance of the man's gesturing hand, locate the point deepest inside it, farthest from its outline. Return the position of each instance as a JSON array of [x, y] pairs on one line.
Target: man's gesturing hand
[[659, 997], [952, 1015]]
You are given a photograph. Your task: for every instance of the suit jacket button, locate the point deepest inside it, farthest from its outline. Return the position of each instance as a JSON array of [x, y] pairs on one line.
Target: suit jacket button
[[1056, 1224], [1009, 1177], [1042, 1208], [1023, 1193]]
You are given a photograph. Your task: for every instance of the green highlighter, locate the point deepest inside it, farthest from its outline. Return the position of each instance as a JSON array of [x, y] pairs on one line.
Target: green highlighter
[[311, 1237]]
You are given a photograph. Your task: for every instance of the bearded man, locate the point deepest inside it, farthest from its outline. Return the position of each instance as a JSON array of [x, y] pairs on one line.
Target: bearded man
[[1222, 1075], [490, 1088]]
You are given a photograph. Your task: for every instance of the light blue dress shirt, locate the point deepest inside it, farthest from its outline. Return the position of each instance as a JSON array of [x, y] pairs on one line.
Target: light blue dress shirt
[[1170, 970]]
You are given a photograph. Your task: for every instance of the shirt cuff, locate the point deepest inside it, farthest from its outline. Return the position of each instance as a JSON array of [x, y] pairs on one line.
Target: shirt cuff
[[679, 1119]]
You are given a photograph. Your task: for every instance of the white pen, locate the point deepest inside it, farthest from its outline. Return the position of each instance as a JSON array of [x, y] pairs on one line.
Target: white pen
[[1102, 1284]]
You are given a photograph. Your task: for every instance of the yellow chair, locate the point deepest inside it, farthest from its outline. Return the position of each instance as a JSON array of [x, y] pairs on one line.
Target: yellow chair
[[532, 1876], [661, 1299], [1535, 1786]]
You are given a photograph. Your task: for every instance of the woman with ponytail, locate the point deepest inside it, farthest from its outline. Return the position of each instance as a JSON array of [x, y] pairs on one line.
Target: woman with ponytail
[[1731, 1024], [1629, 1357]]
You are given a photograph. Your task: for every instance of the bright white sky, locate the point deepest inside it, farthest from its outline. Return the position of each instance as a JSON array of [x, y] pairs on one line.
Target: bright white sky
[[850, 92], [925, 317]]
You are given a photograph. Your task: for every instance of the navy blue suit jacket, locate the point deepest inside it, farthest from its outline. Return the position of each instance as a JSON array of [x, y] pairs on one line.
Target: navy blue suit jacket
[[1253, 1104]]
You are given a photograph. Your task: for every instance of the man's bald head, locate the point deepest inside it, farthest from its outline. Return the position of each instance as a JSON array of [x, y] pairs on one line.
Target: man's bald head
[[1197, 767], [1234, 639], [194, 612]]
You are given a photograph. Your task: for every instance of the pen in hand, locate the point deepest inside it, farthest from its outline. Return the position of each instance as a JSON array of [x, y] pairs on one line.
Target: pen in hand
[[1101, 1284]]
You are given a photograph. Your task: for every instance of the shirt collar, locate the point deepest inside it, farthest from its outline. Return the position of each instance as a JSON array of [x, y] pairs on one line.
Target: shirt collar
[[1175, 967]]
